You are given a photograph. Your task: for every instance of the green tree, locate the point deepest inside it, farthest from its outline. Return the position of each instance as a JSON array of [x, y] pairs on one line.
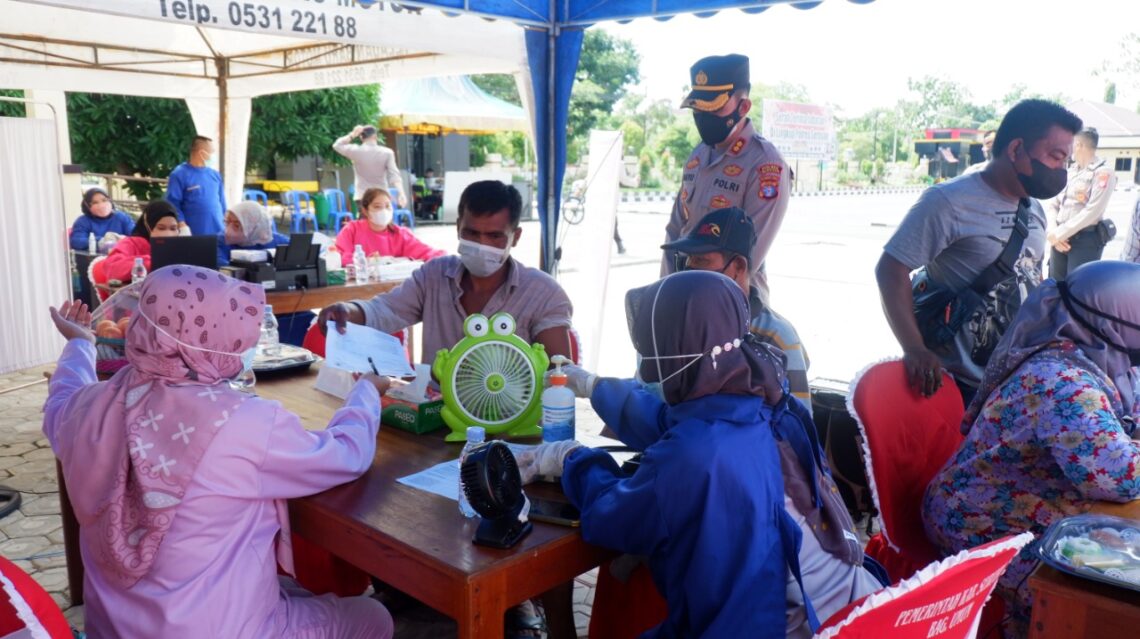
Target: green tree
[[607, 66], [1124, 65], [1110, 93], [287, 126], [150, 136], [129, 136], [11, 109]]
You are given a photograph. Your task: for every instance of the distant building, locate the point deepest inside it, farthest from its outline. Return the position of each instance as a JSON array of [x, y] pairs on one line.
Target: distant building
[[1119, 131], [950, 151]]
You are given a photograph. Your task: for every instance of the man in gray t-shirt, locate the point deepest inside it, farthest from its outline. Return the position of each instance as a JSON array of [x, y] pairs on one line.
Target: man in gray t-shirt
[[958, 228]]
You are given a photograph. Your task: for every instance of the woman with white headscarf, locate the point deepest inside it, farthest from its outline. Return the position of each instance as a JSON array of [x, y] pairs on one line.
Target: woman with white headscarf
[[248, 226], [1051, 429]]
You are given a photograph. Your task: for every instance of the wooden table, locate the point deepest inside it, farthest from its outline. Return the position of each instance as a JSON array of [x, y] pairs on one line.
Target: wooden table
[[417, 541], [413, 540], [1067, 607], [303, 300]]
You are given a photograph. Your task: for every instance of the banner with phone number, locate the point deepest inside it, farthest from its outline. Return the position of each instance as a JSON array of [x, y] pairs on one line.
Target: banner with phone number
[[337, 20]]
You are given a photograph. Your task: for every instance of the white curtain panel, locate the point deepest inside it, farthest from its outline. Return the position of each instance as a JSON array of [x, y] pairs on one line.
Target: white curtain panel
[[33, 250]]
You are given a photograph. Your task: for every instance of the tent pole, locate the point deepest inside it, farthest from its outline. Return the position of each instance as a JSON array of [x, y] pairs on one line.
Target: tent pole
[[223, 115], [549, 255]]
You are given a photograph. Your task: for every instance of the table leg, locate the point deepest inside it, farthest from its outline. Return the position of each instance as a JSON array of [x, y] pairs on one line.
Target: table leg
[[481, 616], [559, 605], [71, 552]]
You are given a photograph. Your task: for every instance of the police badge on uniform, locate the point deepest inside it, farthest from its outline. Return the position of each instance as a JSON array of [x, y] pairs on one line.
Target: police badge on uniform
[[769, 180]]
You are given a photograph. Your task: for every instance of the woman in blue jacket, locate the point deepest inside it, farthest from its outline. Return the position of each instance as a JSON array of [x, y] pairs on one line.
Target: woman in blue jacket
[[707, 504], [248, 226], [99, 217]]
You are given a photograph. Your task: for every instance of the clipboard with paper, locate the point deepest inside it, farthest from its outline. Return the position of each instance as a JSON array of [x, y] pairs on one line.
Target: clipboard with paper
[[366, 350]]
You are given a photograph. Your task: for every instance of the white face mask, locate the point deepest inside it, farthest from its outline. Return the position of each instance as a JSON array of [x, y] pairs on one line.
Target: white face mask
[[482, 260], [383, 217], [100, 210]]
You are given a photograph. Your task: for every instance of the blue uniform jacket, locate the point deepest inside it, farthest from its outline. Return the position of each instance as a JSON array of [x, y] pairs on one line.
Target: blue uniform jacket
[[197, 193], [706, 506], [224, 249], [116, 222]]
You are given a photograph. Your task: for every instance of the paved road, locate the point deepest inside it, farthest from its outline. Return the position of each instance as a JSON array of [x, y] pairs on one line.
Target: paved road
[[820, 269]]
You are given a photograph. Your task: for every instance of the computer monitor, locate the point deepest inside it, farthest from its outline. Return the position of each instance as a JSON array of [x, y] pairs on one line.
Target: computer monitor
[[195, 250]]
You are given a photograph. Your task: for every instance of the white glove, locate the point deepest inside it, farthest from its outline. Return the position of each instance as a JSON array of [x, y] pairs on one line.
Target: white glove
[[545, 460], [579, 380]]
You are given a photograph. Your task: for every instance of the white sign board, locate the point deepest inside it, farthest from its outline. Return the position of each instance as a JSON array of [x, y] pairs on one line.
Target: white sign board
[[800, 131]]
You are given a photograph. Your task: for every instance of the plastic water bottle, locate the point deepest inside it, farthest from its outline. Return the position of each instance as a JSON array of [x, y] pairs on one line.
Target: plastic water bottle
[[138, 271], [557, 408], [360, 264], [475, 436], [270, 341], [92, 246]]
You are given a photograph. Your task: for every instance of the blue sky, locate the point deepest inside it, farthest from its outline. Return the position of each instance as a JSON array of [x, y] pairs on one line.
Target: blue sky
[[859, 56]]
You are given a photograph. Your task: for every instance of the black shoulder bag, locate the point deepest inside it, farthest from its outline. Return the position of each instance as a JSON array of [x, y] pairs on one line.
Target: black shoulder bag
[[987, 305]]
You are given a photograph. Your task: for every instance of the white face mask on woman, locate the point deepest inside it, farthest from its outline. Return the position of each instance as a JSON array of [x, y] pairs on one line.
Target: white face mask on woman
[[482, 260], [380, 217]]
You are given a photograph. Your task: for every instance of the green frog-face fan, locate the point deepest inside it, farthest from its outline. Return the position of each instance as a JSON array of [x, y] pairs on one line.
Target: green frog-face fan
[[491, 378]]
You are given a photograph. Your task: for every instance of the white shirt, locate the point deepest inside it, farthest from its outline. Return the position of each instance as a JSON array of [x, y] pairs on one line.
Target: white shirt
[[374, 165]]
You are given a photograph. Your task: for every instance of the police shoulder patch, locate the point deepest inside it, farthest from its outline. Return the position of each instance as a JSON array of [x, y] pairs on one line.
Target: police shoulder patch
[[1102, 179], [693, 163], [769, 178]]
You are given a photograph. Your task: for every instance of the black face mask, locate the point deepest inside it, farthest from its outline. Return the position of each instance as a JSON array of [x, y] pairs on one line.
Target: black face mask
[[714, 128], [1044, 182]]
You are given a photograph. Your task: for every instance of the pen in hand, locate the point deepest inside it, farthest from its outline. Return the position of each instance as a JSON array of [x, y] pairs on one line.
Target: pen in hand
[[373, 365]]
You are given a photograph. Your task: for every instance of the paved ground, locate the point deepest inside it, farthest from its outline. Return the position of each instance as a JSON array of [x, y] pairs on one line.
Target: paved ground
[[821, 274]]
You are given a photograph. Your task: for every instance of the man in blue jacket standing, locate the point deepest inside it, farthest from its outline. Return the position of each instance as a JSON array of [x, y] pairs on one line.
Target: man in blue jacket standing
[[195, 189]]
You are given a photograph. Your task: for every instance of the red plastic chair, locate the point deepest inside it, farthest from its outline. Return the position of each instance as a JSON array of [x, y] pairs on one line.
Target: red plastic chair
[[944, 600], [26, 609], [907, 439]]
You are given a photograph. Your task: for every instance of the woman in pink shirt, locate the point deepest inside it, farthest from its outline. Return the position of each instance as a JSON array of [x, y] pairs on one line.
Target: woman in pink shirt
[[378, 235], [179, 481]]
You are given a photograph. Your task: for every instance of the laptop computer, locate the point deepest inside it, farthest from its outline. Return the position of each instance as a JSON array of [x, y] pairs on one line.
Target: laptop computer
[[195, 250]]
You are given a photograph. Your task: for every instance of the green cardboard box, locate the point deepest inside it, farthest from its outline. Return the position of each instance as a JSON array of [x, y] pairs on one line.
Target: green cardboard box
[[414, 417]]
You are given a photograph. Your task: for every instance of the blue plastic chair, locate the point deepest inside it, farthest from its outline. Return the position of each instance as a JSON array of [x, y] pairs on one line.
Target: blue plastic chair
[[403, 217], [338, 212], [301, 209], [257, 196]]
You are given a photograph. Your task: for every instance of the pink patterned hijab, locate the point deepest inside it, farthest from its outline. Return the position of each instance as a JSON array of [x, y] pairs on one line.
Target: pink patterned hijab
[[148, 428]]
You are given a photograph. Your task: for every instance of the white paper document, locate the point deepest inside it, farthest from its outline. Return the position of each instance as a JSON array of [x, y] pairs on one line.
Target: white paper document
[[365, 350], [443, 478]]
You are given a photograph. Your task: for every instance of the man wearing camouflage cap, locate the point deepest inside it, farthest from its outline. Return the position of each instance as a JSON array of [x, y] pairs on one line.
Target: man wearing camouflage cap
[[733, 166]]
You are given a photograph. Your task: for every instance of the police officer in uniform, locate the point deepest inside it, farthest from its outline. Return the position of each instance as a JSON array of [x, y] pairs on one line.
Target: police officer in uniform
[[733, 166], [1075, 215]]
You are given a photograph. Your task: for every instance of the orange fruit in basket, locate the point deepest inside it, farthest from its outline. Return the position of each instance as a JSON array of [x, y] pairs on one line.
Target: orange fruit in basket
[[122, 325], [104, 325], [113, 332]]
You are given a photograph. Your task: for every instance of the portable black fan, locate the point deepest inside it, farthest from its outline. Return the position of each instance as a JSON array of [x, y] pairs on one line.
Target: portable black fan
[[491, 481]]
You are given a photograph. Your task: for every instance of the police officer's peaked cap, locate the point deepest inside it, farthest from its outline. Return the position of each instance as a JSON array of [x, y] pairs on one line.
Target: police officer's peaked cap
[[713, 79], [727, 230]]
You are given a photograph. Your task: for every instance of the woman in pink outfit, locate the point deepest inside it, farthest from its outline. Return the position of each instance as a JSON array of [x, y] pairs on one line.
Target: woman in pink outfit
[[179, 482], [378, 235]]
